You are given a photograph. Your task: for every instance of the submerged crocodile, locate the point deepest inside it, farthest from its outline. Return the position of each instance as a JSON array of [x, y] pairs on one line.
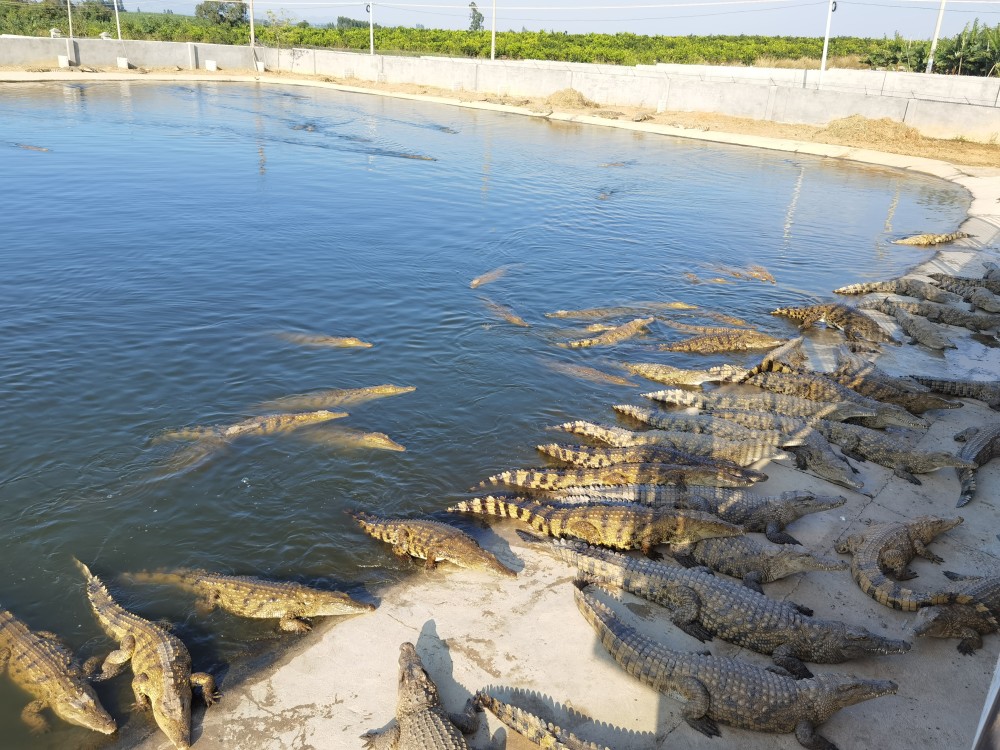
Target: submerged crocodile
[[704, 606], [263, 425], [730, 691], [532, 727], [736, 340], [160, 662], [982, 445], [321, 339], [619, 526], [587, 373], [247, 596], [854, 323], [612, 336], [348, 437], [421, 723], [923, 331], [335, 397], [699, 329], [677, 376], [970, 620], [431, 541], [935, 312], [488, 277], [505, 313], [630, 473], [615, 312], [931, 239], [987, 391], [41, 664], [888, 548], [909, 287], [762, 401]]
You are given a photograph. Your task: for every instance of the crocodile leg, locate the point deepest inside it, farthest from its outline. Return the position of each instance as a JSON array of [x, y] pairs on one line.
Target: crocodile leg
[[382, 739], [752, 581], [685, 611], [926, 553], [776, 534], [783, 658], [807, 736], [467, 721], [4, 659], [115, 662], [896, 564], [904, 474], [206, 682], [972, 641], [697, 706], [292, 624], [142, 700], [32, 716], [90, 667]]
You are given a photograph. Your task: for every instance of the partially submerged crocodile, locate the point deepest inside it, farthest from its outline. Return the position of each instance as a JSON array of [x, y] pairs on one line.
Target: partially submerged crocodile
[[431, 541], [966, 284], [612, 336], [421, 723], [647, 452], [642, 308], [335, 397], [505, 313], [982, 444], [620, 437], [630, 473], [763, 401], [736, 340], [909, 287], [969, 620], [677, 376], [264, 425], [532, 727], [321, 339], [730, 691], [888, 548], [247, 596], [38, 662], [931, 239], [340, 438], [619, 526], [987, 391], [854, 323], [161, 664]]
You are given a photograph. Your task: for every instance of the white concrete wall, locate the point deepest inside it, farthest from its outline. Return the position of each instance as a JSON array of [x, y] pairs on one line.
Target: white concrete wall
[[940, 106]]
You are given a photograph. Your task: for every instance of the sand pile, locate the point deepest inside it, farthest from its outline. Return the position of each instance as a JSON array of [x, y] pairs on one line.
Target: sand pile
[[569, 98], [882, 132]]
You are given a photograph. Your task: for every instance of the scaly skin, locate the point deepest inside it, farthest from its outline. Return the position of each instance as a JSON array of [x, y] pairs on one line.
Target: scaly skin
[[431, 541], [936, 312], [982, 446], [246, 596], [704, 606], [533, 728], [854, 323], [618, 526], [39, 663], [335, 397], [984, 299], [787, 355], [421, 722], [676, 376], [505, 313], [729, 691], [699, 329], [987, 391], [632, 473], [160, 662], [586, 373], [319, 339], [889, 548], [347, 437], [909, 287], [489, 276], [766, 401], [966, 282], [922, 331], [616, 312], [870, 381], [736, 340], [596, 458], [931, 239], [666, 444], [612, 336], [971, 620], [264, 425], [704, 424]]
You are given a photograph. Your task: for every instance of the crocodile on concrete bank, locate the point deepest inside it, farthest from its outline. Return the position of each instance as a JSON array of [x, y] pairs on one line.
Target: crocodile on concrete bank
[[935, 312], [707, 424], [619, 437], [761, 401], [542, 733], [966, 284], [619, 526], [752, 561], [654, 495], [246, 596], [37, 661], [737, 340], [854, 323], [982, 445], [870, 381], [631, 473], [335, 397], [931, 239], [923, 331], [987, 391], [613, 336], [161, 664], [730, 691], [677, 376], [977, 614], [664, 446], [421, 722], [909, 287], [888, 548], [431, 541]]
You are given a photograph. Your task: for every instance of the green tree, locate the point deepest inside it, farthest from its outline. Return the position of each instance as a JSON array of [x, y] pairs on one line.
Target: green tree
[[475, 18], [223, 13]]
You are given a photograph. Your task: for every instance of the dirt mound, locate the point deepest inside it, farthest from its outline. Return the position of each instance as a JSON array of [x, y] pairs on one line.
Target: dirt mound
[[569, 98], [881, 132]]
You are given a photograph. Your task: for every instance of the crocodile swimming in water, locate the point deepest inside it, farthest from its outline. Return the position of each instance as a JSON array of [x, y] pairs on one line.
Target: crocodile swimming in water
[[612, 336], [334, 397], [854, 323], [161, 664], [730, 691], [676, 376], [320, 339], [982, 445], [263, 425], [351, 439], [38, 662], [931, 239], [246, 596], [735, 340], [625, 473]]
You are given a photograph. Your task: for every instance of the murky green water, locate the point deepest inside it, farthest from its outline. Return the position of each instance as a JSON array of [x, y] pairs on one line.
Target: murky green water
[[148, 258]]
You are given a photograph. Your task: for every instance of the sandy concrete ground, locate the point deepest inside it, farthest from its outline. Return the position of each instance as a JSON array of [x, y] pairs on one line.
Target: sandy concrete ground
[[474, 630]]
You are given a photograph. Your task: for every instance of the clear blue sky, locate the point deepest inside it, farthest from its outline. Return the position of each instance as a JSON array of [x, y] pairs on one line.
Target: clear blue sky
[[912, 18]]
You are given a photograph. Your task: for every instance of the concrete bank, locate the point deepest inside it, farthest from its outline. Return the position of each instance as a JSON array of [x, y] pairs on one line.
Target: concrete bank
[[474, 630]]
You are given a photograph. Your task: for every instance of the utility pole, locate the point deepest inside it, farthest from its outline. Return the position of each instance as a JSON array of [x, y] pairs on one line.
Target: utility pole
[[493, 33], [826, 41], [937, 33]]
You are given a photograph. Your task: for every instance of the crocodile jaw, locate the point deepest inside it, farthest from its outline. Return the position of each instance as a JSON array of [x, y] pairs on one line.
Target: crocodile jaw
[[84, 710], [173, 717]]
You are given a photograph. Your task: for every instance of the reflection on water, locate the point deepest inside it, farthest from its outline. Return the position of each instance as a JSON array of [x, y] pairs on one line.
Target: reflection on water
[[149, 255]]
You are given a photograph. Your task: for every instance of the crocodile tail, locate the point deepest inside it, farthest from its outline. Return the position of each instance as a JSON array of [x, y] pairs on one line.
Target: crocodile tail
[[498, 506], [865, 288], [610, 435], [559, 452], [967, 477], [890, 594]]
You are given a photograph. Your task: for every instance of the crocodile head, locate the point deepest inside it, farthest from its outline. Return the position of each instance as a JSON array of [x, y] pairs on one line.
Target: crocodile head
[[852, 642], [845, 410], [328, 603], [171, 710], [841, 690], [83, 708], [922, 463], [416, 691], [926, 528], [790, 561], [952, 621]]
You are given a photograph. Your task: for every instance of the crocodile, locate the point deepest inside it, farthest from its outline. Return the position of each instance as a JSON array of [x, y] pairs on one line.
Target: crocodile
[[991, 271], [264, 425], [931, 239], [631, 473], [974, 291], [982, 444], [664, 446], [888, 548], [321, 339], [488, 277], [849, 356], [421, 723], [987, 391], [643, 494], [766, 401], [612, 336], [937, 313], [923, 331], [505, 313], [431, 541], [651, 451], [702, 424], [984, 299], [246, 596], [970, 620], [335, 397], [788, 356], [870, 381], [752, 561], [542, 733], [348, 437], [854, 323], [619, 437], [910, 287], [41, 664], [619, 526], [705, 606], [586, 373], [966, 284], [677, 376], [738, 340], [727, 690], [700, 329], [160, 662], [616, 312]]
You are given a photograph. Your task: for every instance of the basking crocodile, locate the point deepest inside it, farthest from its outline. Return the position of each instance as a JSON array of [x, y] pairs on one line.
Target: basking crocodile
[[705, 424], [264, 425], [421, 723], [766, 401], [787, 356], [619, 526], [677, 376], [987, 391], [246, 596], [909, 287], [41, 664], [982, 445], [854, 323], [648, 452], [619, 437], [335, 397], [666, 445], [935, 312], [431, 541], [931, 239], [966, 284], [730, 691], [753, 562], [630, 473], [528, 725], [870, 381], [705, 605], [160, 662], [970, 620], [612, 336], [736, 340], [923, 331], [889, 548]]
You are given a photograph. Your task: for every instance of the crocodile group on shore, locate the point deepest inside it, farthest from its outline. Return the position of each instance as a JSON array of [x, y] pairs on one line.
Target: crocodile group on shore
[[532, 727], [987, 391], [761, 401], [161, 664], [969, 620], [735, 340], [247, 596], [730, 691], [677, 421], [982, 444], [628, 473], [664, 452], [910, 287], [965, 284], [659, 445], [38, 662], [421, 723], [854, 323], [431, 541]]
